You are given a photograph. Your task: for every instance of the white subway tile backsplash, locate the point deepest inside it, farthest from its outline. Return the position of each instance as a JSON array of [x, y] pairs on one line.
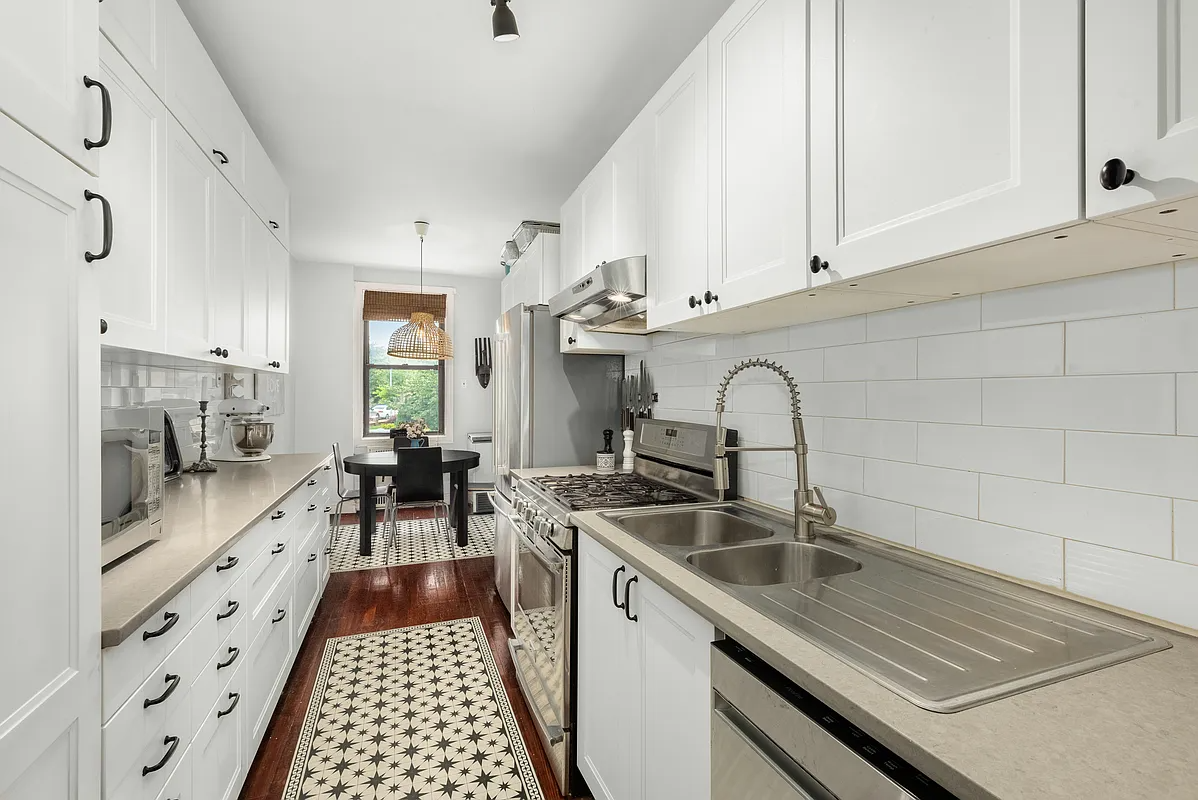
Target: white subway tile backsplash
[[1160, 465], [747, 426], [894, 441], [1120, 403], [1187, 284], [1036, 350], [1132, 291], [874, 361], [690, 398], [1185, 531], [1162, 342], [951, 491], [926, 401], [1018, 452], [828, 333], [774, 491], [1023, 554], [1137, 522], [834, 399], [1187, 404], [930, 319], [806, 366], [881, 518], [753, 344], [756, 398], [1152, 586], [835, 470]]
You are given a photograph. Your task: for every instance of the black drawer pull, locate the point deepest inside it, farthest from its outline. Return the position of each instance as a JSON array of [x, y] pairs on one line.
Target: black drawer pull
[[236, 698], [278, 514], [614, 577], [311, 558], [171, 618], [106, 208], [278, 549], [278, 619], [232, 609], [312, 507], [172, 744], [328, 467], [234, 652], [172, 683], [224, 159], [106, 106], [312, 482], [230, 562], [273, 224], [627, 604]]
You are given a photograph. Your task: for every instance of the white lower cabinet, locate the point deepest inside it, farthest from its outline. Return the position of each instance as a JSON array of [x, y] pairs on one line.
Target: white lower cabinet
[[644, 685], [267, 663], [219, 755]]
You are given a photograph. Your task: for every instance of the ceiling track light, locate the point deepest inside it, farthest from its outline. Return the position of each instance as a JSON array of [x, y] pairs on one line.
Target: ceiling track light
[[503, 22]]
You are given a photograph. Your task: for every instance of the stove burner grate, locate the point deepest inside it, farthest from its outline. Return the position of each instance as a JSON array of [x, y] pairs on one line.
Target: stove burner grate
[[594, 492]]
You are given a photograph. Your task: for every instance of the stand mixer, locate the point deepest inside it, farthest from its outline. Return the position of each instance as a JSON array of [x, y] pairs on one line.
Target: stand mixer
[[246, 435]]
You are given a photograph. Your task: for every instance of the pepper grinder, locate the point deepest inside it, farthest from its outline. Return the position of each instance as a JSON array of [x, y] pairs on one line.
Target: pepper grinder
[[605, 459], [203, 465], [629, 459]]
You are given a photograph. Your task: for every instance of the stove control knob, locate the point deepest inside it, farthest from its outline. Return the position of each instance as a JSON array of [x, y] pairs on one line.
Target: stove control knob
[[545, 527]]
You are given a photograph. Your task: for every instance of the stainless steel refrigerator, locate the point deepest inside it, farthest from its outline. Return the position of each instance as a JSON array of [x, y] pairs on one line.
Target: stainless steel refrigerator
[[550, 411]]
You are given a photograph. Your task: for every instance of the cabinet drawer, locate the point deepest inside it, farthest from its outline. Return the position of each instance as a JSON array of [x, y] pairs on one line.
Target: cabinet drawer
[[266, 573], [155, 761], [307, 587], [218, 754], [231, 609], [128, 664], [269, 656], [216, 579], [215, 674], [179, 786]]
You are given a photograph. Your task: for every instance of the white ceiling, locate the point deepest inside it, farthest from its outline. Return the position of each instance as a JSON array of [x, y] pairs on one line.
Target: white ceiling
[[380, 112]]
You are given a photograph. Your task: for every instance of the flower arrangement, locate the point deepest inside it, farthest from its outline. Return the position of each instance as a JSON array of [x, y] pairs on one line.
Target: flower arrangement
[[415, 428]]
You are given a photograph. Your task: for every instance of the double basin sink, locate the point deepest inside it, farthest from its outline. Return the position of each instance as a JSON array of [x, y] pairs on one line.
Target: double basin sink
[[943, 637]]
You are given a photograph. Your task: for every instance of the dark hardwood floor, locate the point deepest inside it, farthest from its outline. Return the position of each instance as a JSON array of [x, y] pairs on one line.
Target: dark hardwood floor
[[376, 600]]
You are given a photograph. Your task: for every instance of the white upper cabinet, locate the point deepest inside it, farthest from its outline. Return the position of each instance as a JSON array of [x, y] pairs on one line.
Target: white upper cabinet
[[677, 220], [630, 161], [939, 126], [598, 217], [132, 281], [257, 295], [757, 144], [138, 30], [232, 222], [1142, 107], [278, 287], [46, 49], [50, 575], [190, 187], [265, 190], [572, 261]]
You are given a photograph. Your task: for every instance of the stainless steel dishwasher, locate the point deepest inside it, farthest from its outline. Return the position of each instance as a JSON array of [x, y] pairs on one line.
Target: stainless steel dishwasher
[[771, 740]]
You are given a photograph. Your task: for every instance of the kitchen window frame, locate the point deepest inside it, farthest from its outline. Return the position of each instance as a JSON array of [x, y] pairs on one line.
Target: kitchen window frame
[[368, 367]]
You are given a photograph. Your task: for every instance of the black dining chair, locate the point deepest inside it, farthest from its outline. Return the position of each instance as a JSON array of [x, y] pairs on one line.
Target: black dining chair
[[418, 483], [347, 495]]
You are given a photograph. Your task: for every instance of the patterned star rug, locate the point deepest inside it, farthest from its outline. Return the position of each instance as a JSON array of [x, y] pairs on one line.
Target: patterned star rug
[[417, 541], [411, 714]]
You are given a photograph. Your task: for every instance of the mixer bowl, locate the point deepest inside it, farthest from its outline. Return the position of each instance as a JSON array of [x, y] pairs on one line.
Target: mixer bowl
[[251, 438]]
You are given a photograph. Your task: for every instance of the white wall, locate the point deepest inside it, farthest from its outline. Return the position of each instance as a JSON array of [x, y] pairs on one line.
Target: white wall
[[1049, 433], [324, 356]]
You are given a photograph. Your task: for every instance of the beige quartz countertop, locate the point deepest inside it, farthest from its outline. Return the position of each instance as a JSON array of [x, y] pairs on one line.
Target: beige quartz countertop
[[1121, 732], [204, 515]]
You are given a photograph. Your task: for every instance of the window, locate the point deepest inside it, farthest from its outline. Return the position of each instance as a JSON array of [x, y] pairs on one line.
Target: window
[[396, 390]]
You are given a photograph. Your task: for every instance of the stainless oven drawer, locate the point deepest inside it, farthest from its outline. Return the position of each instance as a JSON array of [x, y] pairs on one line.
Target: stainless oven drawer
[[745, 763]]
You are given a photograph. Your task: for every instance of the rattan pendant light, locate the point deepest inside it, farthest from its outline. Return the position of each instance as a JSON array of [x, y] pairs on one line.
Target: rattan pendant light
[[420, 338]]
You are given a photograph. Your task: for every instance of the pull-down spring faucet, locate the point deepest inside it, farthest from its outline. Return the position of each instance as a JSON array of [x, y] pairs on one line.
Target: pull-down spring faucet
[[810, 506]]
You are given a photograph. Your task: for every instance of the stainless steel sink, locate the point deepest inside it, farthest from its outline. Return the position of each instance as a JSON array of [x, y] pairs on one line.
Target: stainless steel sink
[[772, 564], [693, 527]]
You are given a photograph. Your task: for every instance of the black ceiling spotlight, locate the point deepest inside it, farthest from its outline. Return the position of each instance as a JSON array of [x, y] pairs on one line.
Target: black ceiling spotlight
[[503, 22]]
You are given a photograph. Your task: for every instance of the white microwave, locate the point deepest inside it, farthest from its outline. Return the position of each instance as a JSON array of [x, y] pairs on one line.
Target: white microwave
[[131, 478]]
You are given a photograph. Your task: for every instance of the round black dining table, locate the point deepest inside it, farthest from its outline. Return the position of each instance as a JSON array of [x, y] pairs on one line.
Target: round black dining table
[[369, 467]]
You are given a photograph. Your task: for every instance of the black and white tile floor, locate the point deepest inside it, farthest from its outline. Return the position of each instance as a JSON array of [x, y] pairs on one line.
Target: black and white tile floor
[[417, 541]]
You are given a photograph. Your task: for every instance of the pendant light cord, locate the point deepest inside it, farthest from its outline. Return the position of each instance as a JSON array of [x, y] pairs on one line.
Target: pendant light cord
[[421, 265]]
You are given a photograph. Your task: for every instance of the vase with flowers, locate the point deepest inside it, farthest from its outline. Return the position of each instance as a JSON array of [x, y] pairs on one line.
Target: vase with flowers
[[414, 430]]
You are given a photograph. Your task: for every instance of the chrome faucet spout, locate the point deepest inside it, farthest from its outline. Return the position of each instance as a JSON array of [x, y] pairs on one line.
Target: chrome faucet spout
[[810, 507]]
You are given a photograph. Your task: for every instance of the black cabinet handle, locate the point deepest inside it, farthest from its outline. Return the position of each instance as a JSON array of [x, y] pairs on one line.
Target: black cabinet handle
[[311, 558], [818, 264], [312, 507], [1115, 174], [312, 482], [234, 652], [103, 326], [172, 744], [224, 159], [278, 514], [278, 619], [710, 298], [273, 224], [694, 301], [571, 340], [274, 364], [328, 467], [230, 562], [232, 609], [627, 604], [219, 352], [236, 698], [171, 620], [106, 103], [281, 546], [89, 256], [172, 683], [615, 601]]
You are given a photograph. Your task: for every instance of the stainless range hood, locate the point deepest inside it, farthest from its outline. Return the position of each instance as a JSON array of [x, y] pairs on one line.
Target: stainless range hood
[[610, 299]]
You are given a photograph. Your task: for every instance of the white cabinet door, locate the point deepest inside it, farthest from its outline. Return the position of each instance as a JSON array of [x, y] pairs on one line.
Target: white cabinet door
[[50, 575], [278, 286], [914, 156], [757, 175], [677, 234], [138, 30], [609, 693], [265, 190], [630, 159], [572, 238], [266, 671], [1141, 102], [190, 187], [132, 281], [46, 49], [218, 753], [676, 690], [598, 216], [257, 294], [232, 220]]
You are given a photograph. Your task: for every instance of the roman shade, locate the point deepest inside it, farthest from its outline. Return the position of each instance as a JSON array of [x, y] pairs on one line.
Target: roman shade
[[400, 306]]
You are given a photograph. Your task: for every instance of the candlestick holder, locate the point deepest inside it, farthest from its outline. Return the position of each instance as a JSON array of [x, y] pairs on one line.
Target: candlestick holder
[[203, 465]]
